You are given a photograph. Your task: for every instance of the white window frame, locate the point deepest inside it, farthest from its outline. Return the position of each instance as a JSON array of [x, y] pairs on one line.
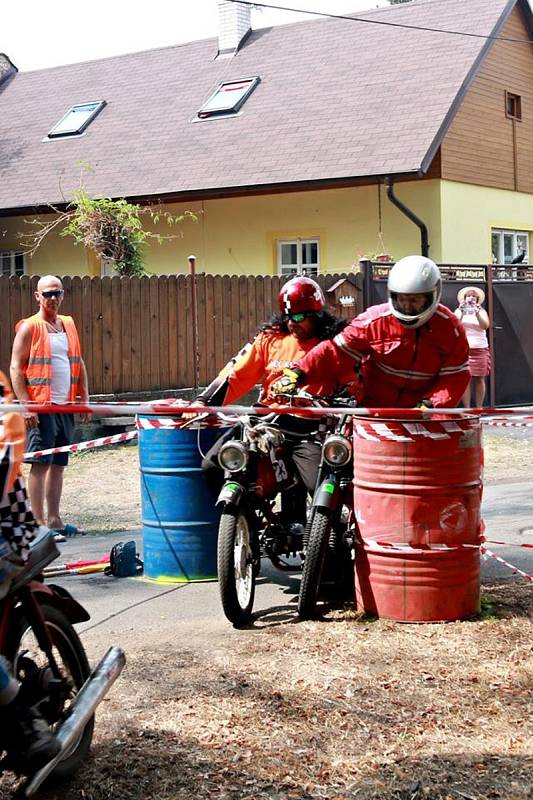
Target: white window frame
[[60, 131], [505, 232], [8, 257], [291, 270], [222, 102]]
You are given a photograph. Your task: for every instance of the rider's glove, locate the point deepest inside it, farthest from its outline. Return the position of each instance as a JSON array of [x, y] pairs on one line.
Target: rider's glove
[[424, 404], [288, 382]]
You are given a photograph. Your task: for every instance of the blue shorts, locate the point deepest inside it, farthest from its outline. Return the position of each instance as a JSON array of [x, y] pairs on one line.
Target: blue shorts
[[53, 430]]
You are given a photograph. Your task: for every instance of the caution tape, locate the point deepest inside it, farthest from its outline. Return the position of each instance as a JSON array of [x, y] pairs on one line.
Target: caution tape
[[510, 544], [177, 408], [486, 551], [76, 448]]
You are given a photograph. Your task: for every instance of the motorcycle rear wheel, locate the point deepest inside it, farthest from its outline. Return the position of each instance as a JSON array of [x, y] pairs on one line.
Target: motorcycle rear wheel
[[313, 564], [237, 569], [25, 654]]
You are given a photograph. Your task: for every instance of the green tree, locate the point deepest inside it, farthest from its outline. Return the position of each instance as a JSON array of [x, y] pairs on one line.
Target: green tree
[[112, 228]]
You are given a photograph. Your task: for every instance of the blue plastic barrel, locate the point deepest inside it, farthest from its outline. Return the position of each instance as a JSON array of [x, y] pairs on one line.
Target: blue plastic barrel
[[180, 521]]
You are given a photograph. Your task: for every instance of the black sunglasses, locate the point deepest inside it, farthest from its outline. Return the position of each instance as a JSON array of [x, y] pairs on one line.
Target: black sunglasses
[[53, 293]]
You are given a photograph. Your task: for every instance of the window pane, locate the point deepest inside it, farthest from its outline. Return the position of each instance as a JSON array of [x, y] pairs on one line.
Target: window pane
[[289, 254], [508, 248], [496, 248], [229, 97], [522, 246], [19, 264], [74, 121], [309, 252], [5, 263]]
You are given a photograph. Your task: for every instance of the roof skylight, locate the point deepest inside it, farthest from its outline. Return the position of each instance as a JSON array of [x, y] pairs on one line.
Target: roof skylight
[[76, 119], [228, 98]]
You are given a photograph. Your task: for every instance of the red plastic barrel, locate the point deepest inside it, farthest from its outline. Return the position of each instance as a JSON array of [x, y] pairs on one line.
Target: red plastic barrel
[[417, 497], [412, 584], [418, 483]]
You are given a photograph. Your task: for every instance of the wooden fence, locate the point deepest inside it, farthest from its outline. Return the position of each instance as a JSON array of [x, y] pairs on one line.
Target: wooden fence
[[137, 333]]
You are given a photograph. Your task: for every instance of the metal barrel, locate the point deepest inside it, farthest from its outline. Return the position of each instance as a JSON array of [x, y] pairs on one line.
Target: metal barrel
[[179, 518], [409, 584], [418, 483], [417, 499]]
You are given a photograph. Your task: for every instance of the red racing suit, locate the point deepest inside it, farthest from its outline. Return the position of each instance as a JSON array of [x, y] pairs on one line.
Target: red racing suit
[[400, 366], [263, 361]]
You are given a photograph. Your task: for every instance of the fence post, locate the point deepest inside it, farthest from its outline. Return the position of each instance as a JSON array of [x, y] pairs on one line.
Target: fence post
[[194, 309], [490, 311], [365, 266]]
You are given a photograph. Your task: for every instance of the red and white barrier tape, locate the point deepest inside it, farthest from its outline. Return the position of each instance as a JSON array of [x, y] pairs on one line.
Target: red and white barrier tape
[[76, 448], [485, 550], [510, 544], [167, 409]]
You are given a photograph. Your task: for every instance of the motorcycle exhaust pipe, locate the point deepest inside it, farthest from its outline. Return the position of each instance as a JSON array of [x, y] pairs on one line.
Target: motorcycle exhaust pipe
[[91, 693]]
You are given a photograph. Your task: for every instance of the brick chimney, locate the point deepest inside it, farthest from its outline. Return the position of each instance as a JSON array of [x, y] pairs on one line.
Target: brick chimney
[[234, 23]]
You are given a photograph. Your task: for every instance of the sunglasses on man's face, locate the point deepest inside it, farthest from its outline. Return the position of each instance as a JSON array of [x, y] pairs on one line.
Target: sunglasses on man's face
[[300, 317], [53, 293]]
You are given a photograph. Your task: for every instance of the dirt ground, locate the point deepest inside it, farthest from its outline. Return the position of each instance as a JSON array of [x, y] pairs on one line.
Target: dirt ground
[[345, 707]]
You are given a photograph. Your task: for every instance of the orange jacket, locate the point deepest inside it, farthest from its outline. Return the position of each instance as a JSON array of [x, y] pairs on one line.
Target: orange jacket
[[12, 439], [263, 361], [38, 370]]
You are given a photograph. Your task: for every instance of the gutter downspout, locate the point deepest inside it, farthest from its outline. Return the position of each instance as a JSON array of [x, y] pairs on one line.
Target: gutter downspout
[[424, 239]]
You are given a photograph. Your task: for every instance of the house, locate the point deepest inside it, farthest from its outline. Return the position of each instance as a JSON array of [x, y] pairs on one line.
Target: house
[[304, 146]]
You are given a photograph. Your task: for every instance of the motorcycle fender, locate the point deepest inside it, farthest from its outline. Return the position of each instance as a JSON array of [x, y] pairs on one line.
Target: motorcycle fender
[[230, 494], [327, 495], [54, 595]]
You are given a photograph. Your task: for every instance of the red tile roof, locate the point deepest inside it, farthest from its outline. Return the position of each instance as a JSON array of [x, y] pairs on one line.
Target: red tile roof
[[338, 99]]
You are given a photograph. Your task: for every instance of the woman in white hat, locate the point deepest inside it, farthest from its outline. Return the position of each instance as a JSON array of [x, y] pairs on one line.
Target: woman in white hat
[[476, 323]]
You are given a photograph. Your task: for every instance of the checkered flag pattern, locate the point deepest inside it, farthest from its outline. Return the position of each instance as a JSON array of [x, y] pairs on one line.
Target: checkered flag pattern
[[17, 523]]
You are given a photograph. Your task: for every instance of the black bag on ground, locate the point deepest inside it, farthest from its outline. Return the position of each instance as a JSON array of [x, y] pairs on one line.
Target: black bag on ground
[[124, 561]]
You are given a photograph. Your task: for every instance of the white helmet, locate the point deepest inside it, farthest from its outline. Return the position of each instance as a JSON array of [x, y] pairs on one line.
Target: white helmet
[[414, 275]]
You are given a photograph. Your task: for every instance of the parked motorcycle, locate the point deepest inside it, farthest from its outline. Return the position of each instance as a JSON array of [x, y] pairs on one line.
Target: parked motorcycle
[[38, 639], [330, 533]]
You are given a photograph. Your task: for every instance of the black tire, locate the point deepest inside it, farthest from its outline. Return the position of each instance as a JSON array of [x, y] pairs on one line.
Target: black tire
[[72, 661], [237, 567], [314, 564]]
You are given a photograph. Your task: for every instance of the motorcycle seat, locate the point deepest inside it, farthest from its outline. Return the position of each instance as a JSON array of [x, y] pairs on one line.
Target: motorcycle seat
[[43, 551]]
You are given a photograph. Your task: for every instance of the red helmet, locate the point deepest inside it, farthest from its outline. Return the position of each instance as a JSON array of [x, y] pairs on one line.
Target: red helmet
[[299, 295]]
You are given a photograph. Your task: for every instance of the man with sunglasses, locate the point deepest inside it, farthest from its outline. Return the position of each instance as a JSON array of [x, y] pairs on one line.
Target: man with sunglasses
[[47, 367], [301, 324]]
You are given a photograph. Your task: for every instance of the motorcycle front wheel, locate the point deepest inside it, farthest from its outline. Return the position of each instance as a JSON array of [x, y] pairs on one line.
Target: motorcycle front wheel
[[313, 564], [236, 568], [31, 666]]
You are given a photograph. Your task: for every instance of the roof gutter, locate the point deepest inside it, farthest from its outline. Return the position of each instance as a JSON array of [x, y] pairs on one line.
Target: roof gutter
[[424, 240]]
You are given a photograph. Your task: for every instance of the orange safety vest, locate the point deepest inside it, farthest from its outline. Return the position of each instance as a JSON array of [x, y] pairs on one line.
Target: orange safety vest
[[12, 440], [38, 370]]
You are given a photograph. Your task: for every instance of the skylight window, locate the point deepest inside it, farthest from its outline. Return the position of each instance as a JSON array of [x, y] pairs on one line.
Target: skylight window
[[76, 119], [228, 98]]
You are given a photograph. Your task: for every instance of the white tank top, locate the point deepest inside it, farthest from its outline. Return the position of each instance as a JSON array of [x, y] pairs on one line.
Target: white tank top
[[475, 334], [60, 367]]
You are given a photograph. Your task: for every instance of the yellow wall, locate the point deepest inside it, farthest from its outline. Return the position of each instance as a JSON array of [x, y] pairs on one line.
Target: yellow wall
[[238, 235], [469, 214]]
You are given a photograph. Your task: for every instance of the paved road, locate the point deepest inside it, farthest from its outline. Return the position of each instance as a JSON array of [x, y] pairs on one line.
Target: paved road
[[132, 603]]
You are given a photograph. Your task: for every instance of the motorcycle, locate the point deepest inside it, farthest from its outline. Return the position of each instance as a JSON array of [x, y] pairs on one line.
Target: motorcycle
[[47, 657], [331, 531], [257, 468]]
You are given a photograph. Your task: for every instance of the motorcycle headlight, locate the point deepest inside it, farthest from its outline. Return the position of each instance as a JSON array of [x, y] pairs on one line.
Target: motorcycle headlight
[[233, 456], [337, 450]]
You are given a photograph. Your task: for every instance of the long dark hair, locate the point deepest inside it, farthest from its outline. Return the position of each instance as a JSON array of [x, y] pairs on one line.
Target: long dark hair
[[326, 325]]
